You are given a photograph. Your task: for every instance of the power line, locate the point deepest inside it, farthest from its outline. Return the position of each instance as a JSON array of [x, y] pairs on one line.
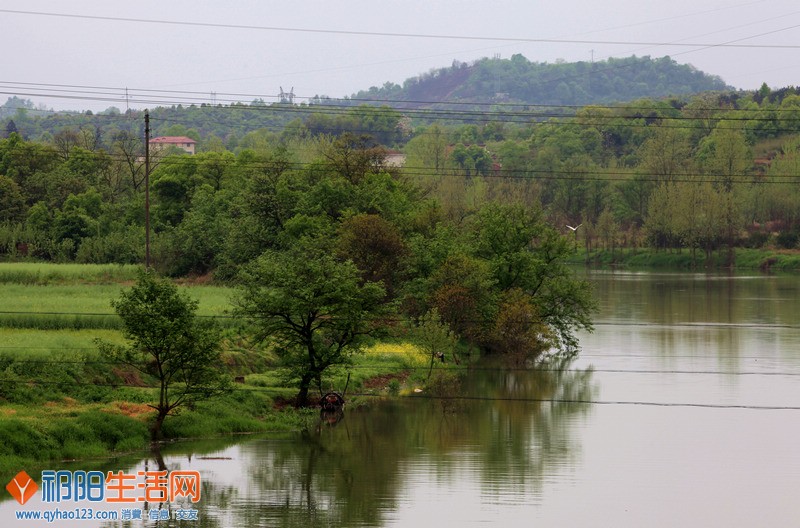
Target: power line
[[605, 402], [618, 116], [395, 319], [536, 118], [439, 368], [188, 98], [403, 35], [547, 111], [563, 175], [523, 174], [466, 398]]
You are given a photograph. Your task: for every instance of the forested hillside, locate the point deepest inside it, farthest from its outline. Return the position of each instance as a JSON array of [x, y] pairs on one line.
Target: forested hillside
[[499, 85], [521, 81], [706, 173]]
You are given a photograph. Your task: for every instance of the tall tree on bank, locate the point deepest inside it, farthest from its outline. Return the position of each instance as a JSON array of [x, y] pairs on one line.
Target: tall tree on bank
[[726, 156], [317, 310], [526, 254], [167, 344]]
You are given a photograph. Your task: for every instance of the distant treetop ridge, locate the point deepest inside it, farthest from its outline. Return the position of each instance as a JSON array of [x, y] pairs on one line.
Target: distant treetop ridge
[[519, 80]]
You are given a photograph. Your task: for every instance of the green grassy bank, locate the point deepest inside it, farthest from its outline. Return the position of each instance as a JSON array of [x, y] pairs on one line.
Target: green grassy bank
[[54, 410], [61, 400], [744, 259]]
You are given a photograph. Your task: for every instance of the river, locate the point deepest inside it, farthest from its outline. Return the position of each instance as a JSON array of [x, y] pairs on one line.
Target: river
[[683, 409]]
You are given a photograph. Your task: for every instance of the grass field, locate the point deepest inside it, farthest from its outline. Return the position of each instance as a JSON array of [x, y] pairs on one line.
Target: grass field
[[47, 273], [33, 344], [84, 306]]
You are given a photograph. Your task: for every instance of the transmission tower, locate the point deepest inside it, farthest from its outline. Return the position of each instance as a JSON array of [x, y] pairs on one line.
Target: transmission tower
[[287, 97]]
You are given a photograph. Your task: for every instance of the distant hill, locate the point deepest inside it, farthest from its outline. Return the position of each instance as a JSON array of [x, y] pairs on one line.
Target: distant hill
[[447, 90], [517, 80]]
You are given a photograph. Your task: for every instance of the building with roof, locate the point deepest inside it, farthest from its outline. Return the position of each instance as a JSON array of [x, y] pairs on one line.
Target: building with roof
[[184, 143]]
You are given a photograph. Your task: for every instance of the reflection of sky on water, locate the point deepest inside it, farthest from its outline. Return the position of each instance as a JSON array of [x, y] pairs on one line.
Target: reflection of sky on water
[[685, 354], [684, 466]]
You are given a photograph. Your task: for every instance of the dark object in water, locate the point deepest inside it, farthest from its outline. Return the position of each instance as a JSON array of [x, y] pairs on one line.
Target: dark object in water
[[333, 401], [331, 418]]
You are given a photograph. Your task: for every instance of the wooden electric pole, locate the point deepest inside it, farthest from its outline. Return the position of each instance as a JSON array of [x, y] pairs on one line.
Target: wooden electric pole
[[146, 189]]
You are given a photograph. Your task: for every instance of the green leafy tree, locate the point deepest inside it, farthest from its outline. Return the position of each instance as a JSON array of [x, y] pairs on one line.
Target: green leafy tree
[[316, 310], [353, 157], [375, 246], [666, 154], [519, 332], [427, 152], [199, 239], [12, 202], [167, 344], [462, 289], [128, 151], [435, 337], [526, 253], [660, 220], [173, 184], [607, 228], [726, 155]]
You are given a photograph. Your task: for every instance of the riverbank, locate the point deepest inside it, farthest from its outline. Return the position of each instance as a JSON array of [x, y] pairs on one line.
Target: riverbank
[[768, 260], [81, 420], [61, 400]]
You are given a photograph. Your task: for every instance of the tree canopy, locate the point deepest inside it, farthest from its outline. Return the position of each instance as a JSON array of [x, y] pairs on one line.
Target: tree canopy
[[316, 310], [168, 344]]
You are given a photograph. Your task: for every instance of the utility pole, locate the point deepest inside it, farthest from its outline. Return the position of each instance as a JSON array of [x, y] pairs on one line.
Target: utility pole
[[146, 189]]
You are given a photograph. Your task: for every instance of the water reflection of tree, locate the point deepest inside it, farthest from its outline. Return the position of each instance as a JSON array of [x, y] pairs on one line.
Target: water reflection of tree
[[353, 474], [699, 314], [217, 500], [524, 441]]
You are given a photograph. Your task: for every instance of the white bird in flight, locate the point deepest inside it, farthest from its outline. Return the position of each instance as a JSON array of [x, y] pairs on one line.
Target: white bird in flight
[[576, 227]]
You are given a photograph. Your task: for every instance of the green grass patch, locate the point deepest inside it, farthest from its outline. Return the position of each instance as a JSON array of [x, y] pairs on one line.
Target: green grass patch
[[767, 260], [51, 307], [53, 345], [66, 429], [28, 440], [214, 300], [84, 306], [240, 411], [655, 259], [44, 273]]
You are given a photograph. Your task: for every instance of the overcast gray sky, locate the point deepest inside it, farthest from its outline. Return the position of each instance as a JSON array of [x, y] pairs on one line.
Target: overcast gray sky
[[331, 59]]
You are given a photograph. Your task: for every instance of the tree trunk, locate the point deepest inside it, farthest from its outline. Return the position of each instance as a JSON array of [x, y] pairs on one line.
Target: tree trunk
[[156, 434], [302, 396]]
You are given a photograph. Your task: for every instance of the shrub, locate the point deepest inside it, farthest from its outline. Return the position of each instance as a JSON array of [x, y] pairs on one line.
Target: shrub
[[787, 239], [112, 429], [756, 240]]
